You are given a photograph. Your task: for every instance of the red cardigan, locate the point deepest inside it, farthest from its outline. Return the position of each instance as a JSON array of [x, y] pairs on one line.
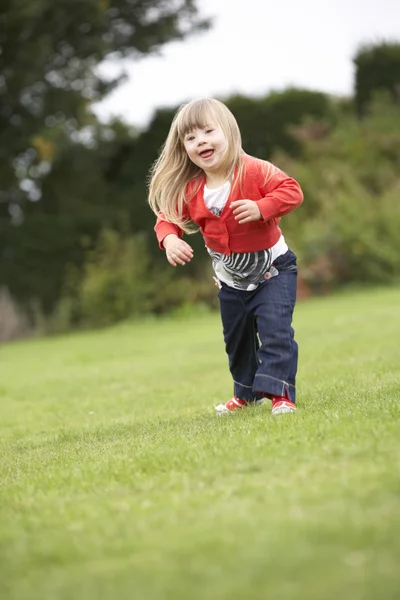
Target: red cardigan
[[276, 197]]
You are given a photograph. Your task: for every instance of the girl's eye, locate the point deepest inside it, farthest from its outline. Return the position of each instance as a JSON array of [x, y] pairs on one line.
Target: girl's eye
[[190, 138], [209, 130]]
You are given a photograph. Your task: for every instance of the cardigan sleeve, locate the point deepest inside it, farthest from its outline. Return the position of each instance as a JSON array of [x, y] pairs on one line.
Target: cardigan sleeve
[[281, 194], [164, 228]]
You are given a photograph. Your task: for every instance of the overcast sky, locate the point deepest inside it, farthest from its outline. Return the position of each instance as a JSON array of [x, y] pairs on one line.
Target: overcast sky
[[253, 47]]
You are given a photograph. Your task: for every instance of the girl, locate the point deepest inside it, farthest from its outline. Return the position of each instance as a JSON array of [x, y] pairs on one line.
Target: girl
[[203, 176]]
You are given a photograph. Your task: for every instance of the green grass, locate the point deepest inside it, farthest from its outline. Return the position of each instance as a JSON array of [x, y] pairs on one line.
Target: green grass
[[119, 482]]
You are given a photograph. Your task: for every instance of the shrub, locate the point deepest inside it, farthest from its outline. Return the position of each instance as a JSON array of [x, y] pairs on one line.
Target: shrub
[[114, 285], [347, 228]]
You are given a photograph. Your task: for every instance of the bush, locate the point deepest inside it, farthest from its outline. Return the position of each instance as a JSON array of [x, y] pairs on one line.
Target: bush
[[114, 285], [119, 281], [347, 229]]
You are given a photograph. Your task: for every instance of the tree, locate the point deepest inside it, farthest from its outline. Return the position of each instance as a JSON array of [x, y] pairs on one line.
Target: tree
[[377, 69], [49, 52], [266, 122]]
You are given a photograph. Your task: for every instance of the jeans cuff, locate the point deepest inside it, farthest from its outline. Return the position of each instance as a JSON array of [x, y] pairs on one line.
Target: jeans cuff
[[245, 392], [265, 384]]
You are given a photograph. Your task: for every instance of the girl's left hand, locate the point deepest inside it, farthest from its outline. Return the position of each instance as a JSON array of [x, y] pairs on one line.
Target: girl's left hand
[[246, 211]]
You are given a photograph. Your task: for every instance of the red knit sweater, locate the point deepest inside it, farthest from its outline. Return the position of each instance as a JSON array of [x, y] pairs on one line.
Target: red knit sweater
[[276, 195]]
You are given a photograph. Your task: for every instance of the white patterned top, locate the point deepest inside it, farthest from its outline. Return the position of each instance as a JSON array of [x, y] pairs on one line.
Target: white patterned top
[[242, 271]]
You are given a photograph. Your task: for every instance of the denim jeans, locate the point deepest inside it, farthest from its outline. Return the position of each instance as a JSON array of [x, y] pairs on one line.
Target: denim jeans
[[258, 334]]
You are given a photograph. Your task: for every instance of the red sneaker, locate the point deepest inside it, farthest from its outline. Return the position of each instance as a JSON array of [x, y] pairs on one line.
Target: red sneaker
[[236, 404], [280, 405]]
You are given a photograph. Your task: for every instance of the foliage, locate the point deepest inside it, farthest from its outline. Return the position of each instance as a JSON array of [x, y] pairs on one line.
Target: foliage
[[377, 69], [266, 122], [55, 159], [118, 281], [113, 284], [49, 53], [103, 184], [347, 229]]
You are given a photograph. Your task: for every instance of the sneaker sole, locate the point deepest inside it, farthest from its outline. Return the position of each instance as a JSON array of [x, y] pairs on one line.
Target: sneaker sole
[[222, 410], [282, 410]]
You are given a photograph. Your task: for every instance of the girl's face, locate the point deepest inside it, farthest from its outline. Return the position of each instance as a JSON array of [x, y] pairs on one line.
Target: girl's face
[[205, 147]]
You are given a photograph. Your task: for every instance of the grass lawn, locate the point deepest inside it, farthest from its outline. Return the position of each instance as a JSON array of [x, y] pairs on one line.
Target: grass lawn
[[119, 482]]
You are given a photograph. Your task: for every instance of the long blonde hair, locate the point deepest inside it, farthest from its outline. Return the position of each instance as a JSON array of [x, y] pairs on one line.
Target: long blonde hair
[[173, 169]]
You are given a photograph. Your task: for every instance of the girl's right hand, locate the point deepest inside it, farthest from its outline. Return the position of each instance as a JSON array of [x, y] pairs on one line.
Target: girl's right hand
[[177, 251]]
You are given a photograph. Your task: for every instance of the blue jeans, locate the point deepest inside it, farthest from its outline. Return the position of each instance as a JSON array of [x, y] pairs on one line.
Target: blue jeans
[[258, 334]]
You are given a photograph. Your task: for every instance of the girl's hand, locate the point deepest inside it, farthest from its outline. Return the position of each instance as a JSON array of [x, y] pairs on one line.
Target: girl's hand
[[246, 211], [177, 251]]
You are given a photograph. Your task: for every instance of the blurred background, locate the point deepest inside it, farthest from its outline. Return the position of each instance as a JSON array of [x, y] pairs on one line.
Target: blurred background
[[88, 89]]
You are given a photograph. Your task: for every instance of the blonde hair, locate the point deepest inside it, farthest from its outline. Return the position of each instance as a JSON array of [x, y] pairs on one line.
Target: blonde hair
[[173, 169]]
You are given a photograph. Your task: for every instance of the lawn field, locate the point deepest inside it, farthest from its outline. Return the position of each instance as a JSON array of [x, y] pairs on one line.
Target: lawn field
[[119, 482]]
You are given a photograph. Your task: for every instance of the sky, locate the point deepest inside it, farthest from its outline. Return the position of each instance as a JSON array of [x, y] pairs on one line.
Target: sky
[[252, 48]]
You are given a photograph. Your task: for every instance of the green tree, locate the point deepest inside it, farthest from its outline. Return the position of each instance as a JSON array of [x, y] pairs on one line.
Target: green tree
[[266, 122], [56, 161], [377, 69], [49, 52]]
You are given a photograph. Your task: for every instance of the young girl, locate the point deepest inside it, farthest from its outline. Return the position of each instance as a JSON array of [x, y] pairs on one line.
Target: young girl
[[203, 176]]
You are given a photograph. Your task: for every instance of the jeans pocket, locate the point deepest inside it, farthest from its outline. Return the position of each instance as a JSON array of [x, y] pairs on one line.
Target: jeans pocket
[[286, 262]]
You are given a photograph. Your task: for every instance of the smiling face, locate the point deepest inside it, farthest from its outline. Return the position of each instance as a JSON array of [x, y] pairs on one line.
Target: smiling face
[[204, 137], [206, 146]]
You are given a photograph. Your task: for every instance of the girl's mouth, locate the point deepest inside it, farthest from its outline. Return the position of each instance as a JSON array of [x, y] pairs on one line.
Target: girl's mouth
[[206, 153]]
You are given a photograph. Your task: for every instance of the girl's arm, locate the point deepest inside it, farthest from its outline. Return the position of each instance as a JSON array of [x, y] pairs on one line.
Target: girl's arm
[[176, 250], [282, 194], [164, 228]]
